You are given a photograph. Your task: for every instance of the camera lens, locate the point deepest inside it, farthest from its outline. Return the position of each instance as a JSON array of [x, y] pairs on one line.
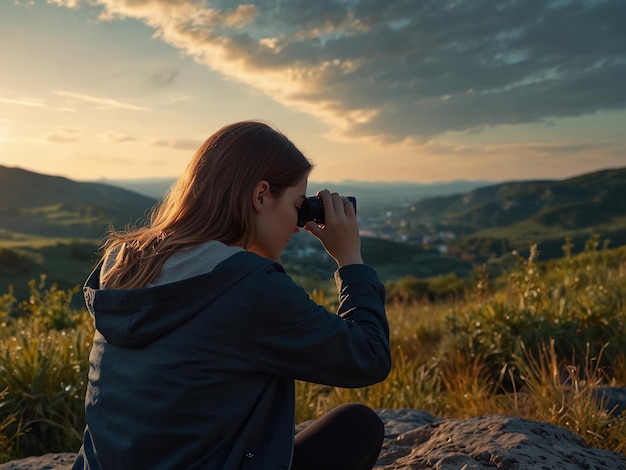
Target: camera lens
[[313, 209], [316, 210]]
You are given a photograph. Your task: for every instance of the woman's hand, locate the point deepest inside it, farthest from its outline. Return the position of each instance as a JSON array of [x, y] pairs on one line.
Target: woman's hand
[[340, 232]]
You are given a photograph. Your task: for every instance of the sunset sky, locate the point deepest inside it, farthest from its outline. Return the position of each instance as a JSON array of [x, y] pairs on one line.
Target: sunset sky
[[376, 90]]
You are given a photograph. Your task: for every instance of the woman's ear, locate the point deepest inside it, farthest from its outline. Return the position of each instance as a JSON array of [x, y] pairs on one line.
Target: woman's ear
[[261, 195]]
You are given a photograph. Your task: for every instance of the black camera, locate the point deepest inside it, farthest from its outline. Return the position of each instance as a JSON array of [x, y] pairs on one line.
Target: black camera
[[313, 209]]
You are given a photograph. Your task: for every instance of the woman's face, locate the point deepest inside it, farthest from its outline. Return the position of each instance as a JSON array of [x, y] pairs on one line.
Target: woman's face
[[276, 219]]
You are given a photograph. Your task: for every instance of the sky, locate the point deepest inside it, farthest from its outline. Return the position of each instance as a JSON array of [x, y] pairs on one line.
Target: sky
[[369, 90]]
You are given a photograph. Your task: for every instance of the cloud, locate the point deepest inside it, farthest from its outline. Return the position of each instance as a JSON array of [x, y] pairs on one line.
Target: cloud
[[134, 162], [179, 144], [63, 135], [164, 79], [101, 103], [29, 102], [514, 150], [66, 3], [405, 71], [117, 138], [186, 144], [176, 144]]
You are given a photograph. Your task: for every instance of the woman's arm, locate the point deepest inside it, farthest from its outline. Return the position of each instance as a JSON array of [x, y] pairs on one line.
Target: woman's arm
[[292, 336]]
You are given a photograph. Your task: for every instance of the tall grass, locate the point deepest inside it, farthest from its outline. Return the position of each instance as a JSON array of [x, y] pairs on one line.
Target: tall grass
[[537, 342], [44, 346]]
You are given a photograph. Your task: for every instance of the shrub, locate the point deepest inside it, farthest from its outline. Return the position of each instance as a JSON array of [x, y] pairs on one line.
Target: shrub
[[13, 263], [43, 372], [51, 308], [580, 306]]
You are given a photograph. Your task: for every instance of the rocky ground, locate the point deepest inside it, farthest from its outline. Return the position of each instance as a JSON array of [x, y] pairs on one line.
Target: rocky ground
[[417, 440]]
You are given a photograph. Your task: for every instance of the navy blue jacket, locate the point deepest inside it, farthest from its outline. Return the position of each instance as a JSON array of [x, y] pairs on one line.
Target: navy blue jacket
[[200, 373]]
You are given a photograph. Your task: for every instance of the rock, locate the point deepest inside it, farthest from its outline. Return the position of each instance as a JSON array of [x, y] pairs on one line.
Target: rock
[[416, 440], [398, 421], [61, 461], [489, 442]]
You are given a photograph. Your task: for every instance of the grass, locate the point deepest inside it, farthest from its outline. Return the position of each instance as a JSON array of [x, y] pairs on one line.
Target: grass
[[45, 346], [64, 262], [536, 342]]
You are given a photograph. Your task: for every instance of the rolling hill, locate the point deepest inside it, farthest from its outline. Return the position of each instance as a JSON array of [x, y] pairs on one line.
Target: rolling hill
[[52, 225], [53, 206], [543, 211], [572, 203]]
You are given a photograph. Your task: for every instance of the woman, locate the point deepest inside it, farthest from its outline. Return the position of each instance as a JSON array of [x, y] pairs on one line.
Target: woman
[[200, 334]]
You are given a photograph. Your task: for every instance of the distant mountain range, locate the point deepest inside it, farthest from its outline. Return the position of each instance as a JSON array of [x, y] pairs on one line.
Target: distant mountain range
[[54, 206], [52, 225], [371, 195]]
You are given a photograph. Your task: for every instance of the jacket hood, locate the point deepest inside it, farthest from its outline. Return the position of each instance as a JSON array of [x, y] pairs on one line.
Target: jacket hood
[[132, 318]]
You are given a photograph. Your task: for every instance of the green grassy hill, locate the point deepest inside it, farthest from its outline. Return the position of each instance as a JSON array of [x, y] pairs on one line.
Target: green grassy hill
[[52, 206], [53, 226], [495, 219], [578, 202]]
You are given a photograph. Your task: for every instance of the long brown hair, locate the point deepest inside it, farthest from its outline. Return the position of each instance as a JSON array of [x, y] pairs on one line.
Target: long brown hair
[[212, 200]]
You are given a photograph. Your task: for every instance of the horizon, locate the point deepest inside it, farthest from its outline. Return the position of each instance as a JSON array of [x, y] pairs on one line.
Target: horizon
[[367, 90], [163, 179]]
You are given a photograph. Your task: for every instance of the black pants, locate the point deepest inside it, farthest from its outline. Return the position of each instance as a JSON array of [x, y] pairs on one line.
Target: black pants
[[348, 437]]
